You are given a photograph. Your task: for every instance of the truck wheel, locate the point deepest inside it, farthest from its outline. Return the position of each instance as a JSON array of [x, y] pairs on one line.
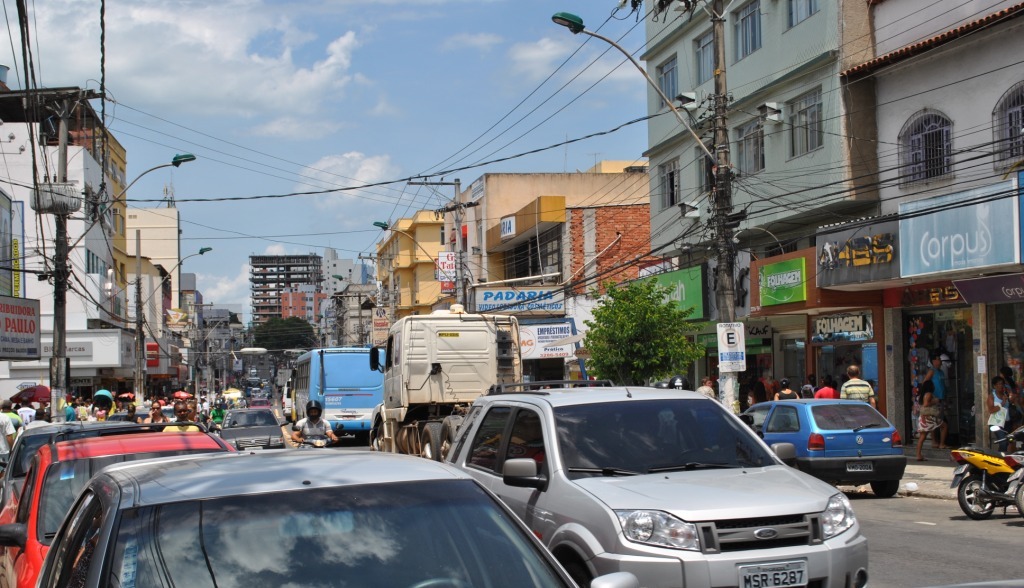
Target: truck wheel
[[449, 426], [375, 441], [430, 441]]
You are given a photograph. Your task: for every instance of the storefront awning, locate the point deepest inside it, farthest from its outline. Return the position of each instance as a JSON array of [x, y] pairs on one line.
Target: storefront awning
[[1002, 288]]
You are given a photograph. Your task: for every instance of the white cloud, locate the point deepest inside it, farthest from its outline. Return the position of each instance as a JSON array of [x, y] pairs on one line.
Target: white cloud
[[224, 290], [538, 59], [384, 108], [478, 41], [223, 58], [275, 249], [352, 208], [290, 127]]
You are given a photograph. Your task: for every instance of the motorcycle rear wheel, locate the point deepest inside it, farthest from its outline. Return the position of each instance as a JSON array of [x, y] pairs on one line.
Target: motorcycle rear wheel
[[967, 495], [1018, 499]]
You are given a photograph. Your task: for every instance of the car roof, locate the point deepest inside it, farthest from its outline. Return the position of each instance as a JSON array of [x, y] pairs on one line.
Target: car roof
[[599, 394], [813, 401], [161, 481], [75, 426], [135, 443]]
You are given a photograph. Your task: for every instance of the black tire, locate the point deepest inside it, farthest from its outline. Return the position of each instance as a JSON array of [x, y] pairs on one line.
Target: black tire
[[967, 497], [578, 571], [374, 439], [449, 426], [430, 441], [885, 488], [1018, 499]]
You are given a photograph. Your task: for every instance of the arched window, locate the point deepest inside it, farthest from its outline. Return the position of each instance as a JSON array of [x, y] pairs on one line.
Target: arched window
[[1008, 127], [926, 145]]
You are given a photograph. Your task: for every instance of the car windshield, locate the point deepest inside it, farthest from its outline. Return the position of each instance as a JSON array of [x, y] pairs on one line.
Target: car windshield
[[65, 480], [27, 448], [653, 435], [256, 418], [843, 417], [440, 533]]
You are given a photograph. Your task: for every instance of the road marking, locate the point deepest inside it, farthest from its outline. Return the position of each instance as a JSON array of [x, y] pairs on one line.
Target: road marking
[[925, 523]]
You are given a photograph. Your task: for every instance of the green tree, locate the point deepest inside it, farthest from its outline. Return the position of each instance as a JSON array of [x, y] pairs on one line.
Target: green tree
[[638, 334], [289, 333]]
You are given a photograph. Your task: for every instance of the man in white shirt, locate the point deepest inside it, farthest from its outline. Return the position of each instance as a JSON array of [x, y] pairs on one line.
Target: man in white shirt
[[27, 414], [6, 435]]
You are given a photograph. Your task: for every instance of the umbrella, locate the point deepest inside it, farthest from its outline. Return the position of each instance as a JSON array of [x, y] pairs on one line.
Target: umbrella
[[182, 395], [232, 393], [126, 395], [38, 394]]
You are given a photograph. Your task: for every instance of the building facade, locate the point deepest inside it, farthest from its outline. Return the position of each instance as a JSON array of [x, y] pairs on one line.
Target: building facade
[[270, 276]]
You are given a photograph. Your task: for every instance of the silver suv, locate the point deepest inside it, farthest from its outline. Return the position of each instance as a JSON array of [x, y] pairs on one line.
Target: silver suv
[[665, 484]]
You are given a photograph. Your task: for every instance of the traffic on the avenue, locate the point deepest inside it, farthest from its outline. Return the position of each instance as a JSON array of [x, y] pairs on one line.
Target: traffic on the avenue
[[512, 294]]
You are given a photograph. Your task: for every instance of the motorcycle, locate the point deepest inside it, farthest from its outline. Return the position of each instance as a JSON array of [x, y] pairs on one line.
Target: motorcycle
[[986, 480], [315, 441]]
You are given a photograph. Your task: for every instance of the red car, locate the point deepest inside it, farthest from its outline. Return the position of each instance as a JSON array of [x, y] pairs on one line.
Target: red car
[[28, 523]]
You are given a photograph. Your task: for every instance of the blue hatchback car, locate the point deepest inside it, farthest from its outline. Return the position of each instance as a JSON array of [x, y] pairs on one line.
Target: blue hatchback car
[[838, 441]]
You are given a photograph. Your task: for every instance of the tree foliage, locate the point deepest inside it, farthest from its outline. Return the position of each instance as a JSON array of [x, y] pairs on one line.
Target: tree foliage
[[290, 333], [638, 335]]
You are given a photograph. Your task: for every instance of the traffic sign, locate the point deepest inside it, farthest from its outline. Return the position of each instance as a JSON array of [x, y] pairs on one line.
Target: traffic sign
[[732, 347]]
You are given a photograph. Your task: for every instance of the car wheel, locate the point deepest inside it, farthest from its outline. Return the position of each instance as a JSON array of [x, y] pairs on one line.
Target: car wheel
[[885, 488], [430, 441], [449, 426], [967, 494], [578, 571]]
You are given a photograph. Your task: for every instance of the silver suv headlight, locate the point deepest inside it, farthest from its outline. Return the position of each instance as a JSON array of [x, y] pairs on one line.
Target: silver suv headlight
[[653, 527], [838, 516]]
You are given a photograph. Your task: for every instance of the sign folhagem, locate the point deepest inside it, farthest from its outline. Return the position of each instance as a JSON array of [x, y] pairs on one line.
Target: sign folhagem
[[783, 282], [19, 328]]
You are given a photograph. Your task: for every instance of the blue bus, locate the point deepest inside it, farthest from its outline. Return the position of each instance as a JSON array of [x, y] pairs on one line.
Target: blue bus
[[341, 379]]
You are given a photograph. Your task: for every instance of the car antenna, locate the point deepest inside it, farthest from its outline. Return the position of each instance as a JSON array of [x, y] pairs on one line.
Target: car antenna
[[628, 393]]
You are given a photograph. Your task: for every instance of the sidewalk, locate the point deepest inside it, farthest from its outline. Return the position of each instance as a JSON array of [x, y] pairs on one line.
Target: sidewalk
[[932, 477]]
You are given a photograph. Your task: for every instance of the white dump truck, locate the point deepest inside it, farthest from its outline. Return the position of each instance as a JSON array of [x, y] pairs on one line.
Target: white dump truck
[[434, 366]]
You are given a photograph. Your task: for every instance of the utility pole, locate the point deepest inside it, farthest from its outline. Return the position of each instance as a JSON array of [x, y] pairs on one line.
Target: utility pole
[[60, 364], [722, 206], [457, 208], [140, 338]]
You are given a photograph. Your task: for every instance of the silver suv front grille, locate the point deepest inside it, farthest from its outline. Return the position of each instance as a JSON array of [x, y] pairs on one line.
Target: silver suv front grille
[[759, 533]]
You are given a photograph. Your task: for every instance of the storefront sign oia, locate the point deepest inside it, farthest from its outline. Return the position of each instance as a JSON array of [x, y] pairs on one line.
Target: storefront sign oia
[[783, 282], [525, 300], [535, 340], [863, 253], [20, 334], [686, 289]]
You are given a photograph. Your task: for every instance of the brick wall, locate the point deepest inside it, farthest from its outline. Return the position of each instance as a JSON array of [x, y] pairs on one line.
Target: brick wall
[[621, 262]]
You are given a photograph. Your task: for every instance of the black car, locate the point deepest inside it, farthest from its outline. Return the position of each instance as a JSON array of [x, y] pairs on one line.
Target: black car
[[252, 428]]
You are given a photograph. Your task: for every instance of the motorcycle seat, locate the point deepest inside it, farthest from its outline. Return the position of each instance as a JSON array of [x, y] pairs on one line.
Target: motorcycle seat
[[984, 451]]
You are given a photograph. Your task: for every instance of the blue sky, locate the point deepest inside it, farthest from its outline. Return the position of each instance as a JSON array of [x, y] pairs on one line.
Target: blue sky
[[277, 97]]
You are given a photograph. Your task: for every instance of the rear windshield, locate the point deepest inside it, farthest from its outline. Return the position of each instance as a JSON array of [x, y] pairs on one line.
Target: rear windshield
[[28, 447], [841, 417], [639, 436], [66, 479], [256, 418], [447, 533]]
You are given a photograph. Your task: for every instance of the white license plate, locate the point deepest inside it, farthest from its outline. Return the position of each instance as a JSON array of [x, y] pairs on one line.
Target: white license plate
[[774, 575], [860, 466]]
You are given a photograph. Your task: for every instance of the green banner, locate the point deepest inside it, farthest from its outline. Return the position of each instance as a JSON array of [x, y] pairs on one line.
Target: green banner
[[686, 289], [783, 282]]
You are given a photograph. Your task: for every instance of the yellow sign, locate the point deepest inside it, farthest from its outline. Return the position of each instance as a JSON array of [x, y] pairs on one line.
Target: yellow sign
[[445, 334], [16, 264]]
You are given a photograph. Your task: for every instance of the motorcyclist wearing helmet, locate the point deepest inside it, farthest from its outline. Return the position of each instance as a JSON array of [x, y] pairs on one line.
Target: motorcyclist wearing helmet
[[313, 425]]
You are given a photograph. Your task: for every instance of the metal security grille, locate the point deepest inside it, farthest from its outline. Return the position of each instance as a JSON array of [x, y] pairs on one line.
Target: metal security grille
[[929, 148], [1009, 127]]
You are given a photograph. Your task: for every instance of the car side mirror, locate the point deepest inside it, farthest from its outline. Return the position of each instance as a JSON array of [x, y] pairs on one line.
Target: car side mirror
[[615, 580], [786, 452], [523, 472], [13, 535], [375, 359]]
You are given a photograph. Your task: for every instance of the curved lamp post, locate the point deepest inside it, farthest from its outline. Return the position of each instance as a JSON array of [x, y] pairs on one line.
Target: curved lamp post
[[575, 26]]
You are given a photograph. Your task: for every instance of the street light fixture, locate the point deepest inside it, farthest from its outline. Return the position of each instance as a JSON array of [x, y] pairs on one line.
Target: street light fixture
[[575, 26], [140, 338]]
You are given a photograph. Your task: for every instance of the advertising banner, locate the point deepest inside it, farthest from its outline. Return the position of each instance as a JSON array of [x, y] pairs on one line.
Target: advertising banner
[[6, 245], [865, 253], [17, 249], [687, 289], [381, 325], [535, 340], [968, 230], [854, 326], [521, 301], [19, 329], [783, 282]]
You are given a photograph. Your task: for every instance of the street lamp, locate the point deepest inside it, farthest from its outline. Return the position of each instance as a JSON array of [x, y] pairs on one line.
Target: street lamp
[[575, 26], [140, 338]]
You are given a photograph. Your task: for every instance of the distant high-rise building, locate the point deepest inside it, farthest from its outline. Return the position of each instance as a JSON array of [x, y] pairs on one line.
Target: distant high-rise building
[[271, 276], [339, 273]]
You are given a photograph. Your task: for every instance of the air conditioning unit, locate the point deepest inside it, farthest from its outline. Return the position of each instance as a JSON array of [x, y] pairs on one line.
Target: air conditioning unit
[[770, 112]]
